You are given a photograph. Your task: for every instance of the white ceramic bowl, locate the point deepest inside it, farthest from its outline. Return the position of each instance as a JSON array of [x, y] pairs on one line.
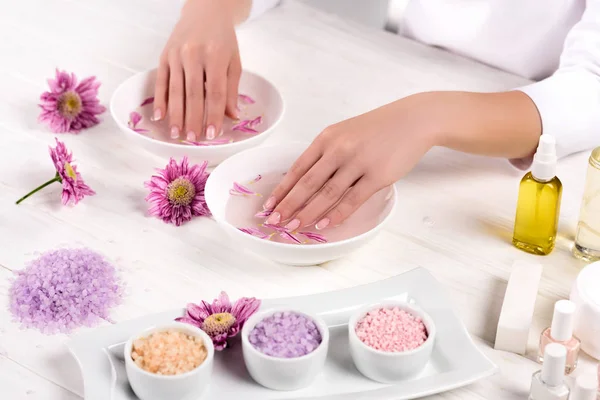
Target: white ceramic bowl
[[284, 373], [245, 166], [188, 386], [390, 367], [130, 94]]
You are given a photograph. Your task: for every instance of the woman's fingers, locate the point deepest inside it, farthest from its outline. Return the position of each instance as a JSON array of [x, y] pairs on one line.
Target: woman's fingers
[[306, 187], [216, 95], [297, 171], [233, 80], [354, 198], [161, 88], [176, 96], [194, 93], [330, 194]]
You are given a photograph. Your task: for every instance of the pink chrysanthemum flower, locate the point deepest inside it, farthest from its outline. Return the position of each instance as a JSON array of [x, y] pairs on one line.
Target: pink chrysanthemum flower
[[74, 188], [68, 106], [177, 192], [221, 320]]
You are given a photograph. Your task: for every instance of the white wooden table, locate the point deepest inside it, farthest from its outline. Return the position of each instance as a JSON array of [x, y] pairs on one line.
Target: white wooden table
[[454, 218]]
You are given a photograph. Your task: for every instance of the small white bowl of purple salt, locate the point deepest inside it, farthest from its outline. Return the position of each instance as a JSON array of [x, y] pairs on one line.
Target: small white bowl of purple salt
[[238, 188], [391, 341], [260, 104], [285, 349]]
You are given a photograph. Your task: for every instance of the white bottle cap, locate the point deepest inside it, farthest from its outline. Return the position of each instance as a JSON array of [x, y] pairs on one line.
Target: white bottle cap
[[553, 369], [563, 320], [544, 160], [585, 388]]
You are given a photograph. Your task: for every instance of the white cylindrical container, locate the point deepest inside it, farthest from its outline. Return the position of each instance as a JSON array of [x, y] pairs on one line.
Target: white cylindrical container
[[586, 295]]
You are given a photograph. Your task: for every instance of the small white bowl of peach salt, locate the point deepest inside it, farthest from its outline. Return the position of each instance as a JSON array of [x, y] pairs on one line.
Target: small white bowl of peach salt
[[172, 361], [391, 341]]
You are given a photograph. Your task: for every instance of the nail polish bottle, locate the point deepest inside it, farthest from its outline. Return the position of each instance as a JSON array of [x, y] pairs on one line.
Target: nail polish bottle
[[549, 383], [585, 388], [561, 332]]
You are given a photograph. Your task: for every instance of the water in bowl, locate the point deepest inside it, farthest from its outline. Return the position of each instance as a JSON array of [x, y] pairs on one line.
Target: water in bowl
[[241, 210], [251, 123]]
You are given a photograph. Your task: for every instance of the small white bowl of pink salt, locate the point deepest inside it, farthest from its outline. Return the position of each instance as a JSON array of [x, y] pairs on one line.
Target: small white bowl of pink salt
[[172, 361], [391, 341], [260, 104], [238, 188], [285, 349]]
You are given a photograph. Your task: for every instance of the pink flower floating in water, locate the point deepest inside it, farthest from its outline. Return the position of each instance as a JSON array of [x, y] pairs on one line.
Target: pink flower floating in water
[[134, 119], [177, 192], [69, 106], [284, 233], [221, 319], [212, 142], [74, 188]]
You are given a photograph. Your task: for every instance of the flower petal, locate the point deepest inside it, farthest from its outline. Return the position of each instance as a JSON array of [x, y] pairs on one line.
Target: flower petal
[[314, 236], [288, 235], [197, 312], [258, 178], [263, 214], [188, 320], [255, 232], [243, 309], [240, 190], [221, 303], [246, 99], [134, 119], [149, 100]]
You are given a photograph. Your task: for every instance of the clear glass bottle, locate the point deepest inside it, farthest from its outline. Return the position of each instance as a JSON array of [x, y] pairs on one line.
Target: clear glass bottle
[[538, 205], [587, 238]]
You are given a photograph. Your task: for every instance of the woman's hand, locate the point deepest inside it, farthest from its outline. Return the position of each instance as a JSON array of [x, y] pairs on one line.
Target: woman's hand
[[199, 70], [349, 162]]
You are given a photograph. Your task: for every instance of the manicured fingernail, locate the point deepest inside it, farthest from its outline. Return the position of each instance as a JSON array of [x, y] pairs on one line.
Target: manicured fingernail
[[191, 136], [269, 204], [293, 224], [274, 218], [175, 132], [157, 116], [322, 224], [210, 132]]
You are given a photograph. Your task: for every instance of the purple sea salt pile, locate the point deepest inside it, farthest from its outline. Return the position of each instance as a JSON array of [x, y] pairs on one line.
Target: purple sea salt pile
[[63, 290], [286, 335]]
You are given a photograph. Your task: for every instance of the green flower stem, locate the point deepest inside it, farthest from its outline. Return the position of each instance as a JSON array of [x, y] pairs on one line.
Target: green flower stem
[[37, 189]]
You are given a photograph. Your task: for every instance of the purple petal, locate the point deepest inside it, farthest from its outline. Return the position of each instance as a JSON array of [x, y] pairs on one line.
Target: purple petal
[[134, 119], [253, 123], [188, 320], [255, 232], [246, 99], [244, 308], [149, 100], [140, 130], [287, 235], [314, 236], [258, 178], [263, 214], [197, 312], [240, 190], [221, 304], [212, 142], [275, 227]]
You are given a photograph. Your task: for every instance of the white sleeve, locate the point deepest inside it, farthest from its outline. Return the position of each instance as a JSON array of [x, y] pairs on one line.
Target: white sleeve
[[569, 100], [260, 7]]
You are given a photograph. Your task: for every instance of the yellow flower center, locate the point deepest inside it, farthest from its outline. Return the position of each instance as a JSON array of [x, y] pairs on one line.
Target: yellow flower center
[[69, 104], [181, 192], [217, 324], [70, 171]]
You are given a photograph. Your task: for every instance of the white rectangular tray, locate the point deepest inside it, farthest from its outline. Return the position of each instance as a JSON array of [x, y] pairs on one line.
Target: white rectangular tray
[[456, 361]]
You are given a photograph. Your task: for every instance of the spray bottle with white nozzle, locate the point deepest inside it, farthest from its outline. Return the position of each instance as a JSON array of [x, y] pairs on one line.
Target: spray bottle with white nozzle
[[538, 206]]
